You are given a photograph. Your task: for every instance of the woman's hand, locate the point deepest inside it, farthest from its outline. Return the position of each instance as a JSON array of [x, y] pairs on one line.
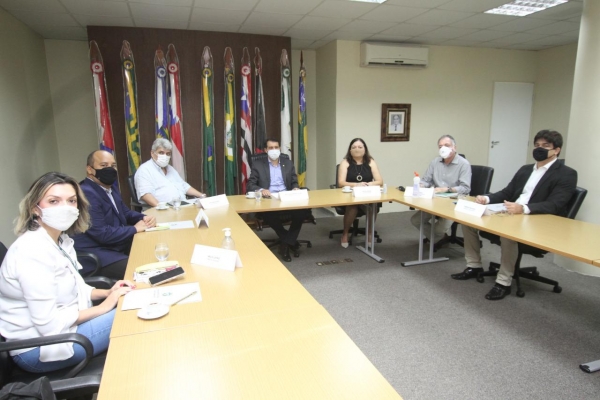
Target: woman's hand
[[121, 284], [113, 298]]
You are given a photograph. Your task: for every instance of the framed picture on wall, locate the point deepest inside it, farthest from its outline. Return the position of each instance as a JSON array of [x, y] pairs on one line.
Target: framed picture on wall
[[395, 122]]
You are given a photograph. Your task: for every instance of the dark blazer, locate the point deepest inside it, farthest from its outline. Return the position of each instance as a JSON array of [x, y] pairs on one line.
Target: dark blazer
[[551, 194], [110, 233], [260, 175]]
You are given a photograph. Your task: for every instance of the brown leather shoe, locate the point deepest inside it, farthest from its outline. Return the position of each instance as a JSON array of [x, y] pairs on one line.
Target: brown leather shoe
[[468, 273]]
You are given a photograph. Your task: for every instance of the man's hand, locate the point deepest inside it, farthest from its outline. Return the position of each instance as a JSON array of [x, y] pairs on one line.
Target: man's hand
[[140, 226], [266, 193], [513, 208], [440, 190], [150, 221], [296, 189], [481, 200]]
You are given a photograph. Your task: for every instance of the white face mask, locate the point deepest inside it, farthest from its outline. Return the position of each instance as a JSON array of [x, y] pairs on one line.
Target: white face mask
[[59, 217], [162, 160], [274, 154], [445, 152]]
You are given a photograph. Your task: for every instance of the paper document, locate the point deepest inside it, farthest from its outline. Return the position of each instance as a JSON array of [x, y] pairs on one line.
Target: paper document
[[173, 225], [495, 208], [446, 194], [164, 295]]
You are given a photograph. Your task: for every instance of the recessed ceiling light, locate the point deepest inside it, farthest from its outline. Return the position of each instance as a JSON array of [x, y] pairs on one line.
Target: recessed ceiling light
[[371, 1], [521, 8]]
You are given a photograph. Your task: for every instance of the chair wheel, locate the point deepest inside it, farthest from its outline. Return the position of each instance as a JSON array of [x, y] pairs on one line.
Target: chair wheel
[[379, 240], [536, 273], [557, 289], [480, 279], [331, 236], [520, 293], [309, 245]]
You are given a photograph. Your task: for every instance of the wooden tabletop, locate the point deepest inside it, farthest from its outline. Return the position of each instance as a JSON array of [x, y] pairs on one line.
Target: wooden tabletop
[[277, 355]]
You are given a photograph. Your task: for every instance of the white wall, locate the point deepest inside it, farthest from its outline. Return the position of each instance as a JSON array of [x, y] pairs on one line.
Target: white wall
[[27, 134], [72, 102]]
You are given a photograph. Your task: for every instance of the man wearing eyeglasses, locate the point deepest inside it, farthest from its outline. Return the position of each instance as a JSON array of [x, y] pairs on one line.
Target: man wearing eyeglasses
[[541, 188]]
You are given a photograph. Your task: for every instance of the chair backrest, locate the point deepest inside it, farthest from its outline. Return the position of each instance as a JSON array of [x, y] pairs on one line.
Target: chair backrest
[[337, 171], [3, 251], [262, 156], [131, 182], [575, 203], [481, 179]]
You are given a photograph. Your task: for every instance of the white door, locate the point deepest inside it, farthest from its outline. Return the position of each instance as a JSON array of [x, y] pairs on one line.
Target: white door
[[509, 137]]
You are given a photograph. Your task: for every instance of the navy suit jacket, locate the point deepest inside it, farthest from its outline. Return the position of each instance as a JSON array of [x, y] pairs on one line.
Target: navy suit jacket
[[260, 175], [110, 233], [550, 196]]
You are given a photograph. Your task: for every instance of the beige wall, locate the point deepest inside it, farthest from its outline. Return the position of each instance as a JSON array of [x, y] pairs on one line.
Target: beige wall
[[72, 102], [28, 134]]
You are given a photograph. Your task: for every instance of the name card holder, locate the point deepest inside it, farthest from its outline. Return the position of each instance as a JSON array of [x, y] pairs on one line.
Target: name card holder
[[293, 195], [201, 217], [470, 208], [216, 257], [214, 202], [366, 191], [424, 193]]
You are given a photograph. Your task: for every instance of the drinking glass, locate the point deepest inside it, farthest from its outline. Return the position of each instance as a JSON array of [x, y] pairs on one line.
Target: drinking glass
[[161, 251], [176, 203], [258, 195]]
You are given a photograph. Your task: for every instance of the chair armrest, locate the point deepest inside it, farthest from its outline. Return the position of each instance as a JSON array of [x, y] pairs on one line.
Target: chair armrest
[[91, 256], [55, 339], [99, 282], [75, 387], [333, 186]]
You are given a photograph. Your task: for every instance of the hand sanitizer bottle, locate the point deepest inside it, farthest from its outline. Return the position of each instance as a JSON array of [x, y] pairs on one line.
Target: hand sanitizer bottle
[[227, 240], [416, 185]]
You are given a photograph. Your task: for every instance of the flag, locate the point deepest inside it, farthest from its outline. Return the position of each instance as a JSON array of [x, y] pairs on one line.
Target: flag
[[230, 131], [208, 125], [246, 118], [161, 95], [302, 128], [103, 125], [260, 128], [286, 105], [175, 126], [132, 131]]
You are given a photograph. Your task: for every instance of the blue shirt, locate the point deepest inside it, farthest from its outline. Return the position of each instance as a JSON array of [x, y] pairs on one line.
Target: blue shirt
[[277, 184]]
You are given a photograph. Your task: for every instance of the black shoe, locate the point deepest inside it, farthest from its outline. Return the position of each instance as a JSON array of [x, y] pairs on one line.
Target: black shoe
[[285, 253], [498, 292], [295, 246], [443, 242], [467, 274]]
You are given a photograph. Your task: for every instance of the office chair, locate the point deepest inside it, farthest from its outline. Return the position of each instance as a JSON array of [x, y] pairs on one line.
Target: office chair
[[531, 272], [135, 204], [91, 278], [341, 210], [481, 181], [284, 217]]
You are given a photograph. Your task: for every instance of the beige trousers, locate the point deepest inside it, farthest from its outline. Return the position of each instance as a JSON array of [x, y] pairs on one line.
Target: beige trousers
[[509, 254], [441, 225]]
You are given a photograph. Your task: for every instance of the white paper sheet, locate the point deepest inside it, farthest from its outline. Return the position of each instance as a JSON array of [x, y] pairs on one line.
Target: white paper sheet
[[139, 298]]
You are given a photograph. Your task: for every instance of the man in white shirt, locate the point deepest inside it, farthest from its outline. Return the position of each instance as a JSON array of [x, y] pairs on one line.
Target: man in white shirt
[[541, 188], [158, 182]]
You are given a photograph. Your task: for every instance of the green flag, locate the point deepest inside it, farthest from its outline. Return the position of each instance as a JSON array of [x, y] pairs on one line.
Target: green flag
[[302, 128], [230, 127], [208, 163]]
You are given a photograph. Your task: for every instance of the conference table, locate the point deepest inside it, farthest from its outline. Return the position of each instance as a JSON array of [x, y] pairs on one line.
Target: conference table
[[257, 333]]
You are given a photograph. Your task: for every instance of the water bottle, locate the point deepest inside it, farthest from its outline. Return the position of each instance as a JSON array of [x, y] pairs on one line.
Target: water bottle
[[227, 240], [416, 185]]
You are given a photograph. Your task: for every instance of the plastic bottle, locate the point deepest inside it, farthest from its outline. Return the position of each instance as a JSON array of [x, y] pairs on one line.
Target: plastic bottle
[[416, 185], [227, 240]]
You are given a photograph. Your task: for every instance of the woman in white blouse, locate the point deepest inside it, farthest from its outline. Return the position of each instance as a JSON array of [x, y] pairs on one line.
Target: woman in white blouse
[[41, 291]]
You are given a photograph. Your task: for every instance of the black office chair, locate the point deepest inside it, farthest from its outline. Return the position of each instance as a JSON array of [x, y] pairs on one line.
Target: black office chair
[[284, 217], [341, 210], [92, 278], [481, 181], [532, 272], [135, 204]]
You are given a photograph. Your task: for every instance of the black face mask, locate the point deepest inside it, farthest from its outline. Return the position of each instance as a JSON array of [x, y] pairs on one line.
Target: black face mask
[[107, 175], [540, 154]]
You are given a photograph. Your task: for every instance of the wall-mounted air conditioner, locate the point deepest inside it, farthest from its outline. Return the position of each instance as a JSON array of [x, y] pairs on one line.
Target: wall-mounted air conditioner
[[392, 55]]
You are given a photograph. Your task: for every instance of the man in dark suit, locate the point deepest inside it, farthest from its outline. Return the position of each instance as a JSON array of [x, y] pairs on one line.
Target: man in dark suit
[[276, 174], [112, 223], [541, 188]]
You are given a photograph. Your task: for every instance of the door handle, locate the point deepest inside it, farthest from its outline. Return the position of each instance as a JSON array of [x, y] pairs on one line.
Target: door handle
[[495, 142]]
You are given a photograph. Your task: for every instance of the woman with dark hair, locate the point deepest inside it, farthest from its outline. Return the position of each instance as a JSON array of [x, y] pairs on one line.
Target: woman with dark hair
[[41, 291], [357, 168]]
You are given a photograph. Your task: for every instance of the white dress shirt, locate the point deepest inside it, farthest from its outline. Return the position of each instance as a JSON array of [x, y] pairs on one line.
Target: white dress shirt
[[41, 293], [151, 179]]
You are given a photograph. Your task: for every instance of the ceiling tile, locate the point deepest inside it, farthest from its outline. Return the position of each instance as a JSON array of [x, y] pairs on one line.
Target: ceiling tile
[[556, 28], [319, 43], [98, 20], [263, 30], [389, 38], [44, 18], [393, 13], [408, 30], [273, 20], [367, 26], [105, 8], [160, 24], [484, 35], [460, 42], [53, 6], [207, 26], [446, 32], [472, 6], [61, 32], [231, 17], [561, 12], [554, 40], [299, 44], [439, 17], [573, 35], [287, 6], [342, 9], [307, 33], [520, 24], [417, 3], [356, 36], [482, 21], [310, 22], [242, 5], [516, 38], [527, 46], [160, 13], [167, 3], [424, 41]]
